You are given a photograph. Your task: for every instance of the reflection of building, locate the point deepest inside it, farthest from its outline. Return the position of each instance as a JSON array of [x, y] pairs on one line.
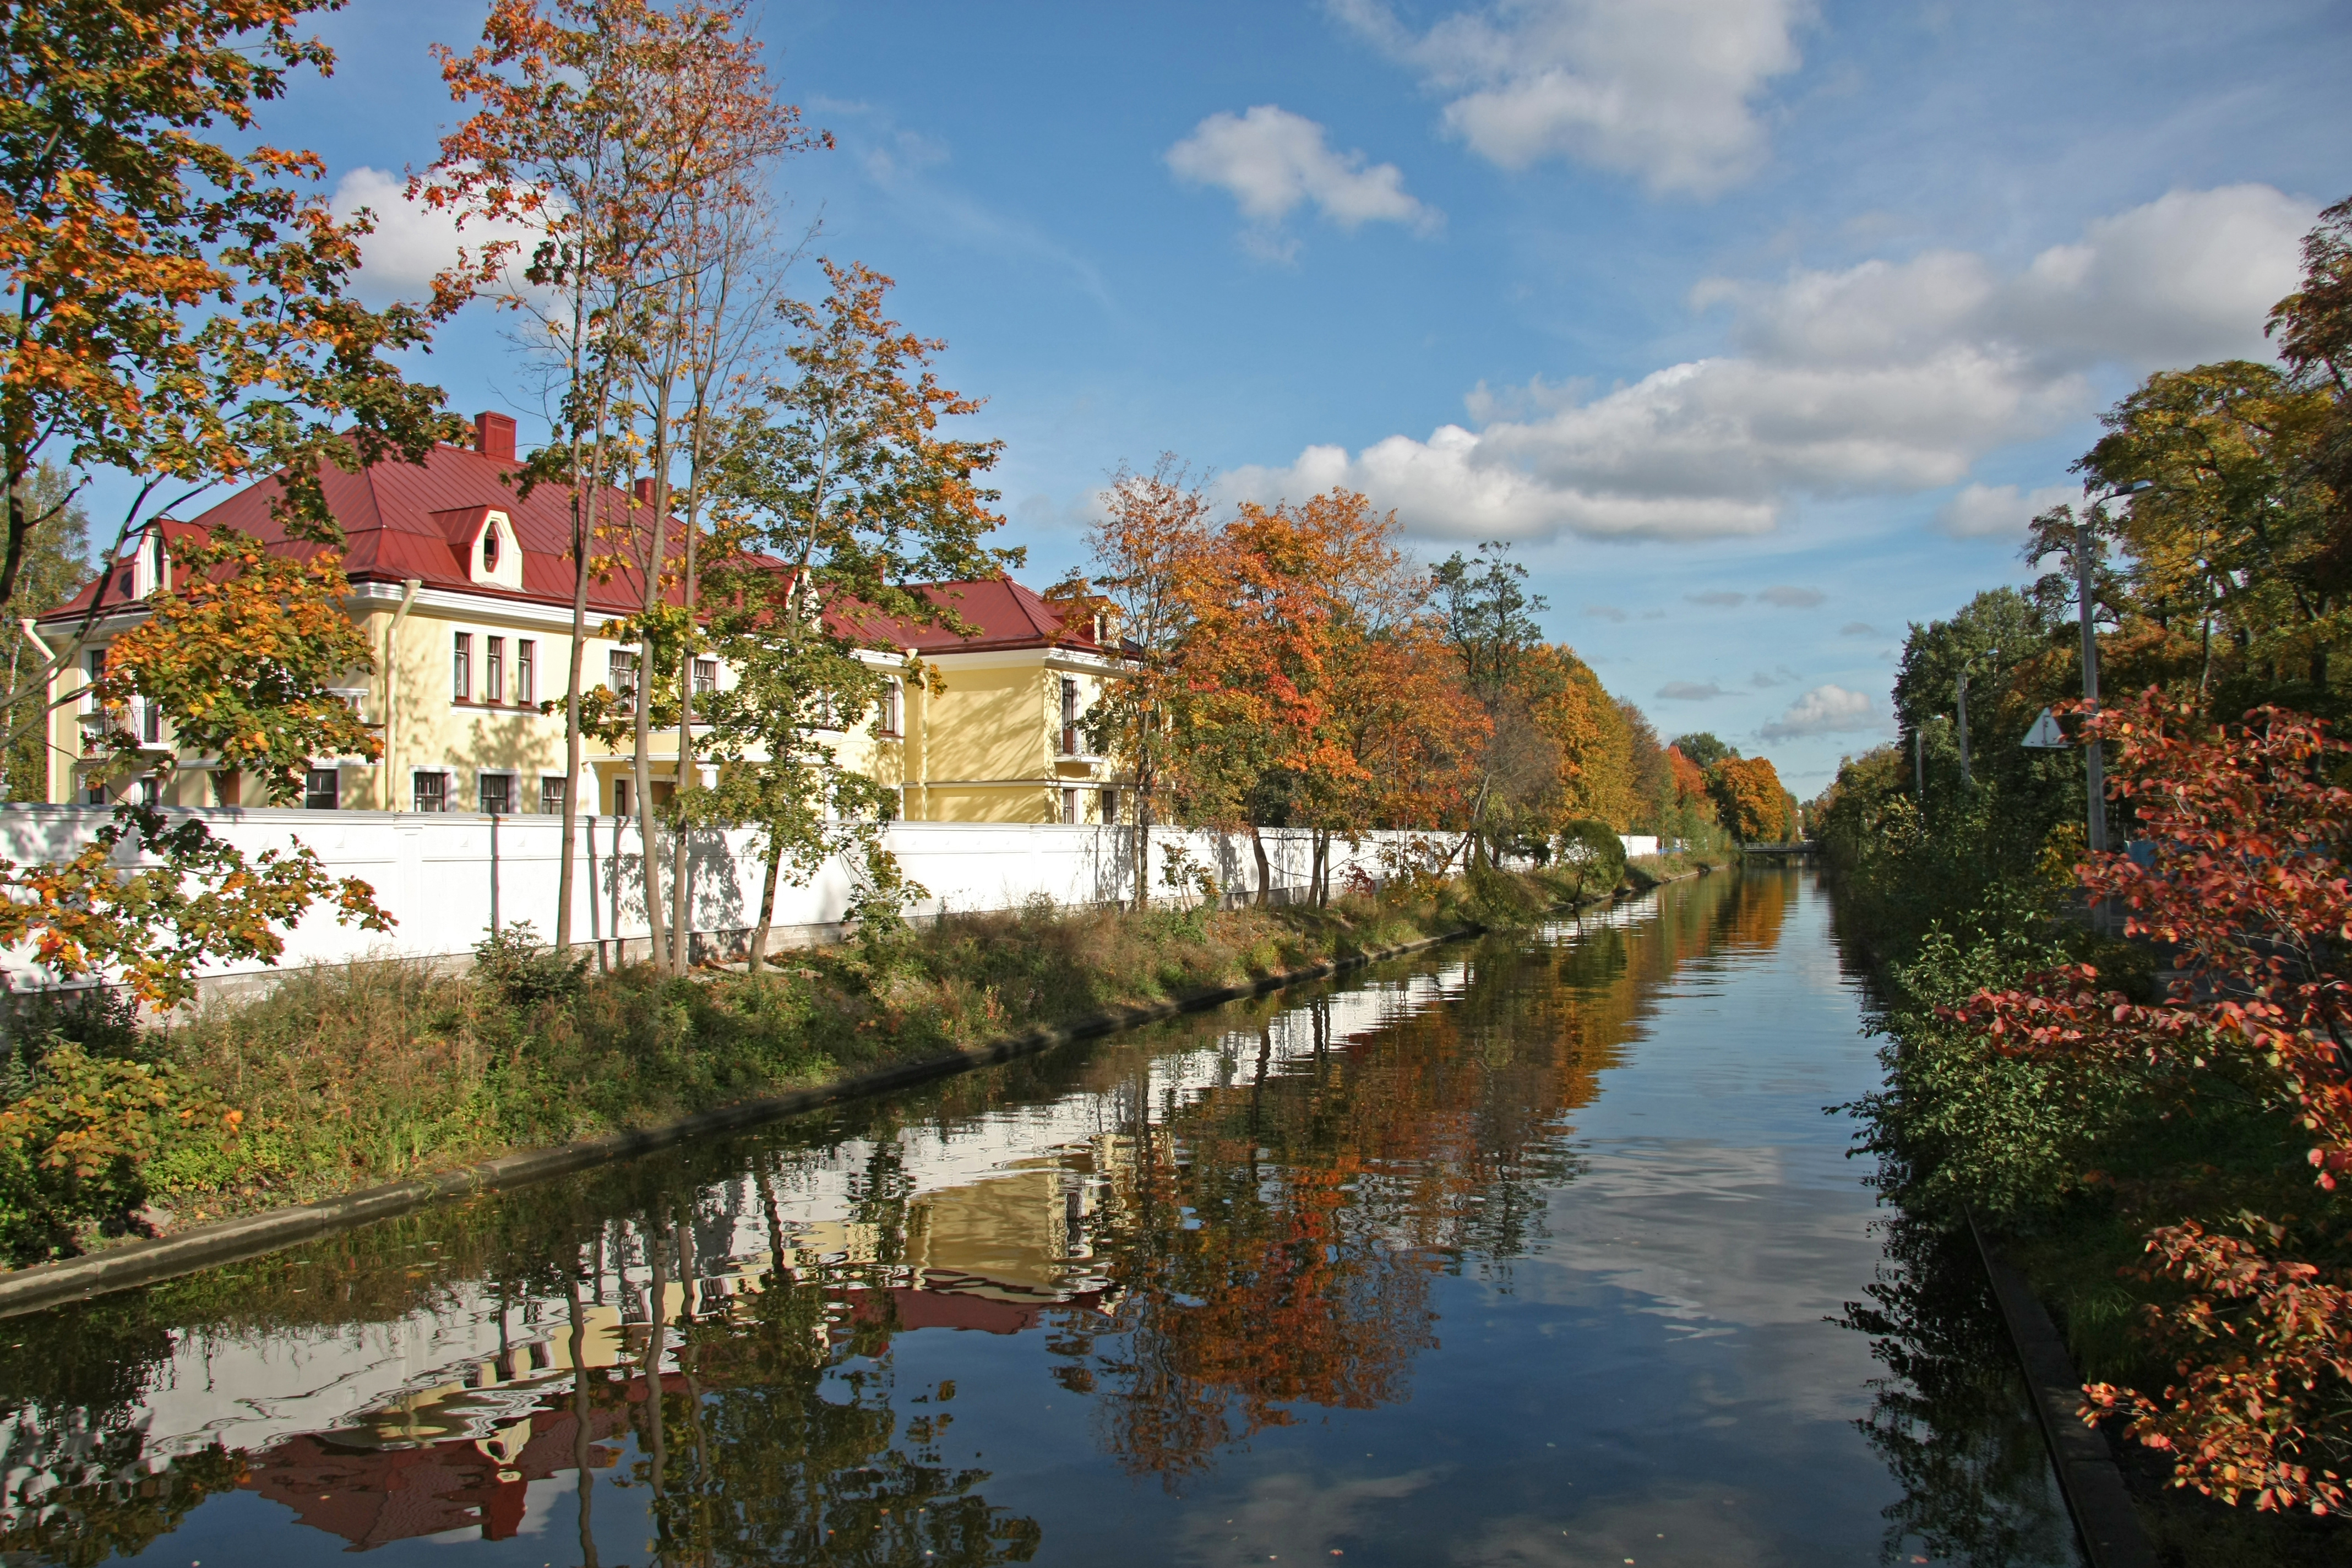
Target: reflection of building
[[458, 1450]]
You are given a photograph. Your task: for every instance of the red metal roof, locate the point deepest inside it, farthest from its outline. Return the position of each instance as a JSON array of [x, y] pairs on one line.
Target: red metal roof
[[414, 519]]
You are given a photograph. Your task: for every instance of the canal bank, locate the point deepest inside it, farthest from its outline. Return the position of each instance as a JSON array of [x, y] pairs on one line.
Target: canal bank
[[1537, 1249]]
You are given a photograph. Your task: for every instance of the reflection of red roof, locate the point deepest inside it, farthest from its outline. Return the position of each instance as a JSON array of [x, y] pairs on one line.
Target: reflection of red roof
[[371, 1495]]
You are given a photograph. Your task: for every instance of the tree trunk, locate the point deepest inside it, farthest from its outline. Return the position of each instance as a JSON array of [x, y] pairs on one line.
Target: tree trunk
[[648, 856], [586, 490], [1265, 872], [767, 907]]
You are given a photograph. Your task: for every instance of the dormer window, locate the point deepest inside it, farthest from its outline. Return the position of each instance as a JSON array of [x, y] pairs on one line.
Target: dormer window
[[482, 538]]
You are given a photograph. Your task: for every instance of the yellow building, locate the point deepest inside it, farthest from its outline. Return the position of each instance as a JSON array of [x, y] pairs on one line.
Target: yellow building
[[463, 586]]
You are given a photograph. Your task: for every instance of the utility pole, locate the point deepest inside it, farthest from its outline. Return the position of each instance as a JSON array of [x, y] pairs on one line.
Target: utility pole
[[1961, 703], [1919, 761], [2095, 764]]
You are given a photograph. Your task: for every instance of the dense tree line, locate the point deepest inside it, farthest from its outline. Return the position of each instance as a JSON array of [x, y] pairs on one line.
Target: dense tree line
[[2133, 1063]]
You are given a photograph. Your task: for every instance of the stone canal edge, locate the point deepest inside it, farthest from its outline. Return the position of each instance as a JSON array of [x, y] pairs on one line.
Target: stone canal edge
[[232, 1240], [2093, 1482]]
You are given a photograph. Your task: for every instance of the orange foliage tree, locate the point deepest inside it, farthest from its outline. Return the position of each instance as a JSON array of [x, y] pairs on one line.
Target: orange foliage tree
[[1153, 534], [177, 309], [1313, 689], [1749, 796]]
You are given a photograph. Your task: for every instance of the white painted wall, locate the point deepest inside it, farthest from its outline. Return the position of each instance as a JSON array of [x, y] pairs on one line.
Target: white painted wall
[[446, 879]]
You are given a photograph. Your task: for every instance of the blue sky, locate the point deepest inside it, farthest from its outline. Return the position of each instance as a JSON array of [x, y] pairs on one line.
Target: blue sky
[[1691, 299]]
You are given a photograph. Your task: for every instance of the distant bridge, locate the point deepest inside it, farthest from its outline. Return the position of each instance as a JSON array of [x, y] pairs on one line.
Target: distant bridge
[[1781, 851]]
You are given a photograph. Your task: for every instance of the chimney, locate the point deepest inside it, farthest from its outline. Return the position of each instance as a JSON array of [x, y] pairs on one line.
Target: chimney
[[644, 490], [494, 435]]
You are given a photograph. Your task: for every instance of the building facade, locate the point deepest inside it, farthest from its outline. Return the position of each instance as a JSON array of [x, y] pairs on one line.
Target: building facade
[[462, 584]]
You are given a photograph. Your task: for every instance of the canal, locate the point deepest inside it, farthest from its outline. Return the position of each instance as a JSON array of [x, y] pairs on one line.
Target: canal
[[1540, 1250]]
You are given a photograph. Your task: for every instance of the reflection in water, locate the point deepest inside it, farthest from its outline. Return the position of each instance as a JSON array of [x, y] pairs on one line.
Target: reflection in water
[[1238, 1230]]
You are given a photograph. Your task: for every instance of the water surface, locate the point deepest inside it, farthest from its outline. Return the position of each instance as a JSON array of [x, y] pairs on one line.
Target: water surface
[[1540, 1251]]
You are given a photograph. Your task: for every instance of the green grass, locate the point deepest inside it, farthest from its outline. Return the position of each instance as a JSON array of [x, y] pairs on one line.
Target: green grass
[[353, 1074]]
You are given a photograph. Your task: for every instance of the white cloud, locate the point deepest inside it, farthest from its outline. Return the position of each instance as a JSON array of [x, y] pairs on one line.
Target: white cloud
[[1824, 711], [1791, 598], [1663, 90], [1887, 378], [1272, 161], [1991, 512], [411, 241], [1689, 692]]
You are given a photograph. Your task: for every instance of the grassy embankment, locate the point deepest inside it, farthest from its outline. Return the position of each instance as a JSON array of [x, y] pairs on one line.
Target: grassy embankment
[[349, 1075]]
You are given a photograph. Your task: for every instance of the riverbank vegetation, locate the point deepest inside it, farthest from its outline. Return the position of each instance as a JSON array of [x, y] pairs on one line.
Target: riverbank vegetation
[[347, 1074], [2132, 1065]]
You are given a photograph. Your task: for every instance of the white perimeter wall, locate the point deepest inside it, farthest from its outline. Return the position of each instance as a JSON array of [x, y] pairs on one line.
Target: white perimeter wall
[[445, 880], [448, 881]]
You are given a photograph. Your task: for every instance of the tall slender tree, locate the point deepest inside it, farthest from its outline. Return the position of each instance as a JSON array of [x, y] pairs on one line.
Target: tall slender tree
[[585, 129], [1153, 533]]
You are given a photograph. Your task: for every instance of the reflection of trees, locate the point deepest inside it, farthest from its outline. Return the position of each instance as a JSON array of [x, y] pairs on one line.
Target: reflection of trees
[[1951, 1418], [97, 1501], [1271, 1241], [777, 1437]]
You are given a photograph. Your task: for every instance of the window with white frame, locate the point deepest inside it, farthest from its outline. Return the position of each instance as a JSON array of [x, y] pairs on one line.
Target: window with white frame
[[431, 790], [550, 793], [624, 680], [497, 793], [893, 708], [1110, 806], [461, 667], [526, 682], [494, 669], [321, 789], [1070, 806]]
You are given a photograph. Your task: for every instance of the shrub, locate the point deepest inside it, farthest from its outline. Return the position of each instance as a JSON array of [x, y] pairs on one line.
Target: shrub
[[518, 967], [1593, 848], [74, 1152]]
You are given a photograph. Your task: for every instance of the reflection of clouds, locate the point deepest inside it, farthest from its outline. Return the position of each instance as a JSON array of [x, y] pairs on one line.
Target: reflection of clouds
[[1717, 1242], [1293, 1517], [1682, 1527]]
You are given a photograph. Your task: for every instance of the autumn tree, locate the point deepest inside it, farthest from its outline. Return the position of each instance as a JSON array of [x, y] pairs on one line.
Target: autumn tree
[[177, 307], [1306, 662], [244, 651], [1153, 532], [179, 311], [1749, 798], [2238, 876], [690, 346], [1490, 621]]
